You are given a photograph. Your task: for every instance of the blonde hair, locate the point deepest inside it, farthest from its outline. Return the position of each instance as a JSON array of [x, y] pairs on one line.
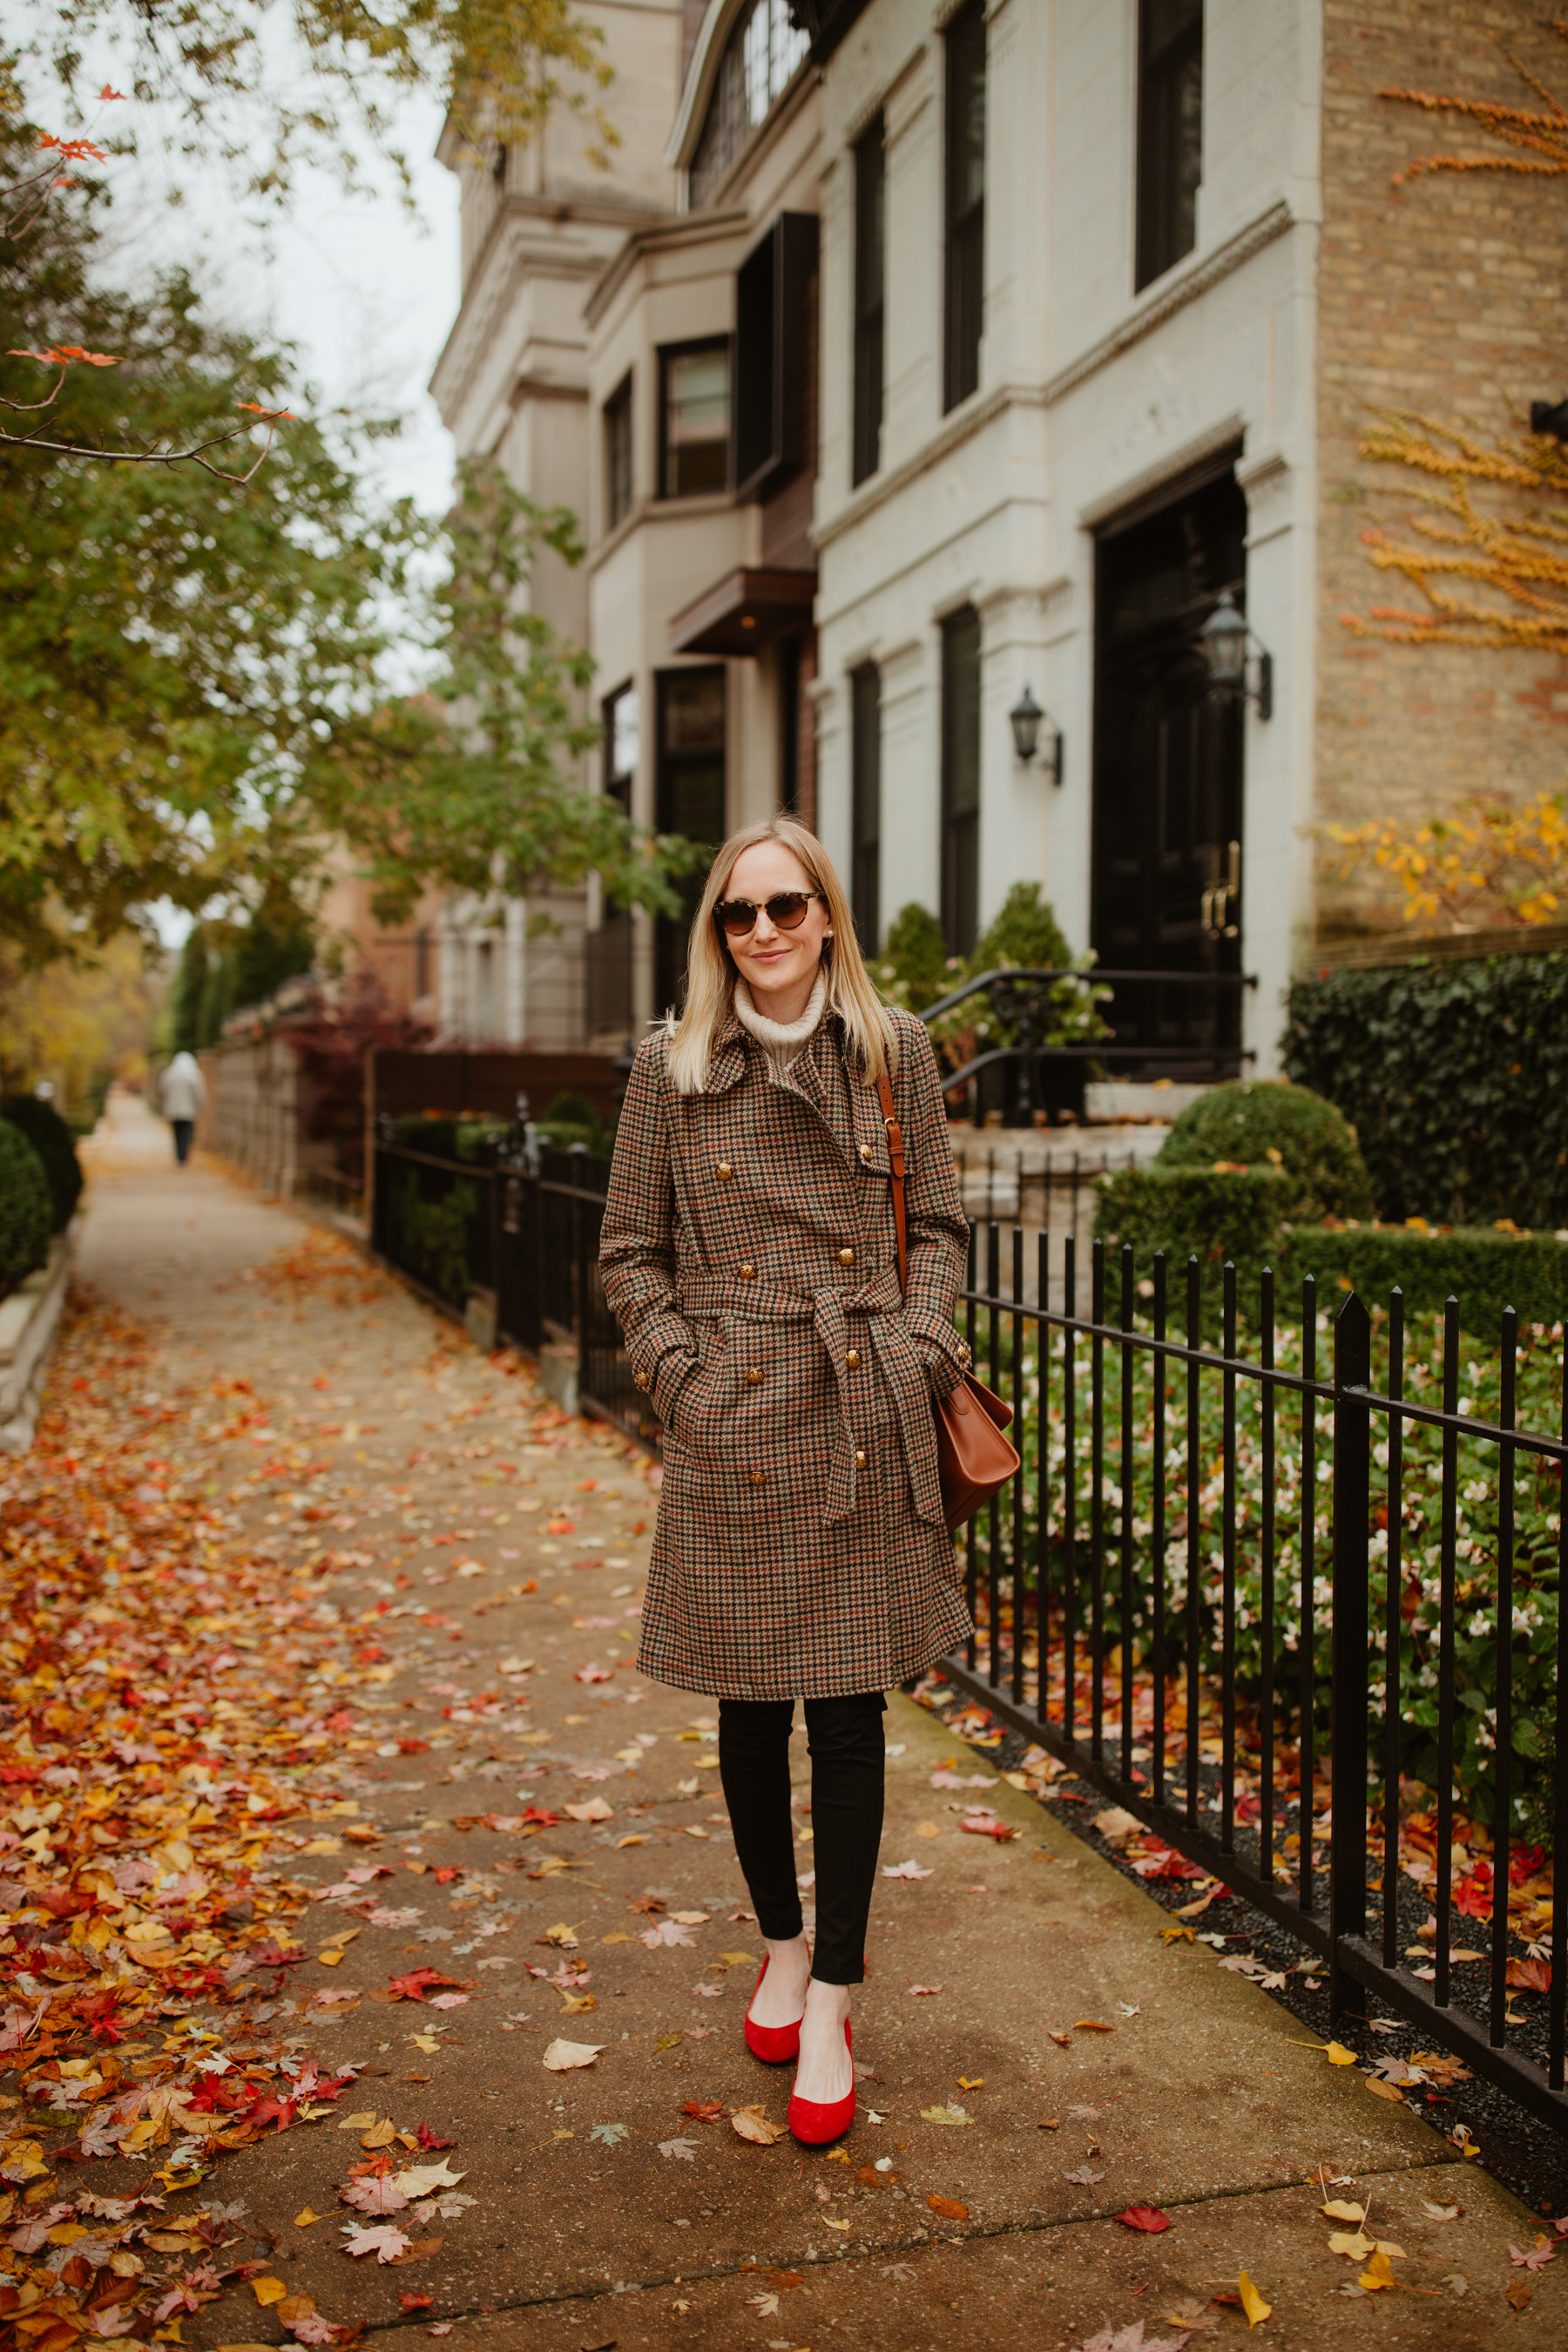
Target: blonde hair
[[710, 973]]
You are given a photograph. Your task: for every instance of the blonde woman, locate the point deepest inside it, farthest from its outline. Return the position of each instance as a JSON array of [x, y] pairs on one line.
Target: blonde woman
[[749, 1253]]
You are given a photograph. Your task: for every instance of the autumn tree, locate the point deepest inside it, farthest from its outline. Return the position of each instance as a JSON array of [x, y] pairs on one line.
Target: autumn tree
[[1483, 546]]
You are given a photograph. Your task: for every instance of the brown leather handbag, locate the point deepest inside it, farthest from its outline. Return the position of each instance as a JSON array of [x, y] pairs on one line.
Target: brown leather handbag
[[974, 1457]]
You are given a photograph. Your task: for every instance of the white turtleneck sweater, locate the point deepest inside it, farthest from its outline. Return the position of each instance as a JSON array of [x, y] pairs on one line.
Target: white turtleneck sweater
[[781, 1040]]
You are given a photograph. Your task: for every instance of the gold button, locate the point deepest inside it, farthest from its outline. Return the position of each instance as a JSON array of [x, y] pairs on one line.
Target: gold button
[[754, 1377], [748, 1271], [846, 1257], [962, 1352], [759, 1477], [860, 1458], [866, 1155], [641, 1380], [723, 1172], [853, 1359]]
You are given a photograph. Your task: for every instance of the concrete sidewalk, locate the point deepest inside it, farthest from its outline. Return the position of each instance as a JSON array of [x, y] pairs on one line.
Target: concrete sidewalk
[[975, 2201]]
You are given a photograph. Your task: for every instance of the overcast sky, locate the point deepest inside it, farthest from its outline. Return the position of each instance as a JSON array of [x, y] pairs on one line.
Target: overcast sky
[[368, 292]]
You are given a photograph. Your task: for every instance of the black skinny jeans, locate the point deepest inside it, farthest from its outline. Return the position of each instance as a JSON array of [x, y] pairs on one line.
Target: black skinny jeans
[[845, 1740]]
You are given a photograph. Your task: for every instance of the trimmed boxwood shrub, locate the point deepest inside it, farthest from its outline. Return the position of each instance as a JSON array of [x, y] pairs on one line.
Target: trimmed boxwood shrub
[[1262, 1122], [1214, 1214], [24, 1218], [1456, 1077], [52, 1140], [1239, 1216]]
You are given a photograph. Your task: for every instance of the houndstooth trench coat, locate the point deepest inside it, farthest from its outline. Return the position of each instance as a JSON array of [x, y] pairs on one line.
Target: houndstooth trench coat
[[748, 1250]]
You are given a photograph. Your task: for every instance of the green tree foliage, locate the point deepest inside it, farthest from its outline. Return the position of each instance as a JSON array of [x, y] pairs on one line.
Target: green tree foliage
[[226, 966], [178, 654], [195, 675], [24, 1212], [51, 1138], [470, 783], [1261, 1123]]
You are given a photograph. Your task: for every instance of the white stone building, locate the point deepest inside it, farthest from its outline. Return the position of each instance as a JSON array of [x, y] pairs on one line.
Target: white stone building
[[944, 354]]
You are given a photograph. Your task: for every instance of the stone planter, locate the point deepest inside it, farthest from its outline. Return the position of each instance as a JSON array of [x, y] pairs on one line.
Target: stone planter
[[28, 1321]]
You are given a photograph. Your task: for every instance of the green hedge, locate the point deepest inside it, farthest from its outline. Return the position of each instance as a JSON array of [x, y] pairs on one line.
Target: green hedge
[[467, 1135], [51, 1138], [1455, 1076], [1218, 1213], [25, 1208], [1240, 1216]]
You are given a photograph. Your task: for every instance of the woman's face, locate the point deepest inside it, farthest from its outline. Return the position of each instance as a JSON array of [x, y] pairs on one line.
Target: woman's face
[[778, 967]]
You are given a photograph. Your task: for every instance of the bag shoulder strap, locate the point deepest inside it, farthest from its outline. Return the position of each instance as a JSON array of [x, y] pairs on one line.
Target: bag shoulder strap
[[895, 1162]]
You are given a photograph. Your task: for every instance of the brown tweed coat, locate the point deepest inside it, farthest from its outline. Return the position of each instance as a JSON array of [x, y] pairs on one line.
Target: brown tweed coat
[[748, 1251]]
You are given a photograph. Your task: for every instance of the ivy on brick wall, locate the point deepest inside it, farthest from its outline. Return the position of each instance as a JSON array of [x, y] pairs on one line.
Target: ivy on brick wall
[[1455, 1076]]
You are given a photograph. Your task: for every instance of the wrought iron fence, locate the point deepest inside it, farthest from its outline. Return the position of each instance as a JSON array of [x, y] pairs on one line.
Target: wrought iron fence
[[1141, 1530], [518, 1225]]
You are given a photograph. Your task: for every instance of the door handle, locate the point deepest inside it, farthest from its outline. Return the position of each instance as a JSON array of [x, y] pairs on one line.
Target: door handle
[[1220, 897]]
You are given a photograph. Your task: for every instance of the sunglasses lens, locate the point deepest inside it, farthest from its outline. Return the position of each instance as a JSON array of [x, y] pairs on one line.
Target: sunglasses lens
[[786, 911]]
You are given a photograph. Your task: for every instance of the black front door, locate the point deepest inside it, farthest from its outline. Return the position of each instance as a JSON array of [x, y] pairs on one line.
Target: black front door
[[1168, 775]]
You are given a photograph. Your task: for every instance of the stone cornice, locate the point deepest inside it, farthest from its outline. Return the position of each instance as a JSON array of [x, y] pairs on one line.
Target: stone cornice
[[1174, 293]]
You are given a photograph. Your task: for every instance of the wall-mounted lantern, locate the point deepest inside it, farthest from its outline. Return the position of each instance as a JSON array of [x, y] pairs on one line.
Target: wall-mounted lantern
[[1027, 720], [1232, 652]]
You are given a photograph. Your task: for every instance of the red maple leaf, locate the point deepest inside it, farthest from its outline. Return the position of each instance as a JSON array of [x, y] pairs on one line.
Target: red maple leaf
[[429, 2139], [1144, 2217], [417, 1984]]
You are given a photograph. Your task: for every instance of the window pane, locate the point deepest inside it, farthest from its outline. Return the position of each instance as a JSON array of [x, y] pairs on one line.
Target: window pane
[[697, 420], [961, 780], [965, 190], [693, 703], [618, 453], [871, 245], [625, 733], [1170, 132]]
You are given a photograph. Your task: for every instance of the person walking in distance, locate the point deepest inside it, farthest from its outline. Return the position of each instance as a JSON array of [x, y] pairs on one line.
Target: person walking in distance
[[183, 1091], [749, 1254]]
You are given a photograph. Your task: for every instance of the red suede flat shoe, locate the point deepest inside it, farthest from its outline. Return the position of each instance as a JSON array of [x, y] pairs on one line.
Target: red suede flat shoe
[[813, 2122], [776, 2046]]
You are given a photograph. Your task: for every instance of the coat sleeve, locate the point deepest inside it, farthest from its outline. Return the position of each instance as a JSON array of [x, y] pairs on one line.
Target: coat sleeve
[[938, 1228], [636, 1239]]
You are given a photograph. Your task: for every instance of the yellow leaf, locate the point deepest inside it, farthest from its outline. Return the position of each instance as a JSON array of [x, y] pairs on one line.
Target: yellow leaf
[[618, 1936], [1336, 2210], [426, 2041], [1338, 2055], [268, 2290], [737, 1959], [971, 2082], [357, 2123], [381, 2135], [1351, 2243], [1377, 2273], [571, 2002], [1252, 2302], [633, 1840], [303, 2220], [330, 1957]]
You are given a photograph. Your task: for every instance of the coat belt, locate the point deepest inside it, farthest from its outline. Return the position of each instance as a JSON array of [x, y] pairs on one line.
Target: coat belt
[[879, 1300]]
